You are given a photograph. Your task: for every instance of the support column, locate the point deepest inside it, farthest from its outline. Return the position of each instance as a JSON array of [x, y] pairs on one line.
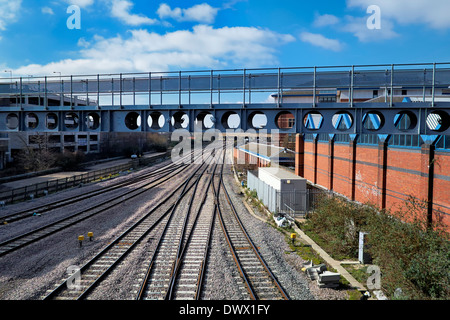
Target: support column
[[428, 151], [299, 155], [316, 139], [330, 162], [382, 172], [352, 156]]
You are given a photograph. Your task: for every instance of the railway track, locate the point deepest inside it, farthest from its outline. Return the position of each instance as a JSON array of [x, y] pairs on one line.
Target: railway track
[[259, 280], [27, 238], [180, 272], [174, 272], [22, 214], [148, 227]]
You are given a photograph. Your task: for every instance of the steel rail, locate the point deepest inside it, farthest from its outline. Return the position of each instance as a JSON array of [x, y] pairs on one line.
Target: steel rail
[[19, 215], [247, 282], [182, 249], [230, 245], [166, 227], [63, 285], [254, 248], [78, 214]]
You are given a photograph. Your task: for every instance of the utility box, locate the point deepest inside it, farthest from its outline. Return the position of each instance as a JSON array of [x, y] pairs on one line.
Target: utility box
[[281, 179]]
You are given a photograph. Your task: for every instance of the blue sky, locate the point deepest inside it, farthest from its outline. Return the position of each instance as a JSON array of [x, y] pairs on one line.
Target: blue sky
[[142, 36]]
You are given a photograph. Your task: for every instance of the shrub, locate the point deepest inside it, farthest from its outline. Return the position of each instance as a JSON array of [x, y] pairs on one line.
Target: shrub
[[411, 254], [339, 222], [70, 160]]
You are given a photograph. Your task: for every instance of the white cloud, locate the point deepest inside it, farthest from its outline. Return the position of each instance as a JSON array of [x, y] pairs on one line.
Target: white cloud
[[121, 9], [319, 40], [82, 42], [81, 3], [433, 13], [144, 51], [47, 10], [8, 12], [202, 13], [325, 20], [358, 26]]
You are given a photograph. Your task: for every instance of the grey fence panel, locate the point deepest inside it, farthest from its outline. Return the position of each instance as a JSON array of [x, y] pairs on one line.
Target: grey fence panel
[[293, 203]]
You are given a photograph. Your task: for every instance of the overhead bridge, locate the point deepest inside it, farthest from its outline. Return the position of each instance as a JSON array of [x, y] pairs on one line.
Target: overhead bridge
[[363, 99]]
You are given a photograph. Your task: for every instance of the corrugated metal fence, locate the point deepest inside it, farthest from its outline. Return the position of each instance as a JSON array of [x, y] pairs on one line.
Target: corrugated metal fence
[[292, 203]]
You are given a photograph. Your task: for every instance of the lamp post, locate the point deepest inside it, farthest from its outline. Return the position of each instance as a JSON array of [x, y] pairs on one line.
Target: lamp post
[[10, 73]]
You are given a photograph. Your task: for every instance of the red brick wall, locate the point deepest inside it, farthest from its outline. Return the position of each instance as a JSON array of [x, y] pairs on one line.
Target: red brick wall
[[405, 174], [323, 159], [366, 175], [441, 190], [309, 165], [342, 178], [402, 183]]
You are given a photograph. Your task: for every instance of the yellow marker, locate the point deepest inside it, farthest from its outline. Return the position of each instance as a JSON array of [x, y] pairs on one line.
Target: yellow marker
[[90, 235], [293, 236], [80, 239]]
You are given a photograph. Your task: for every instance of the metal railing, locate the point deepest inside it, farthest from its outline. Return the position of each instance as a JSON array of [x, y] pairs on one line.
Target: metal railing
[[221, 86]]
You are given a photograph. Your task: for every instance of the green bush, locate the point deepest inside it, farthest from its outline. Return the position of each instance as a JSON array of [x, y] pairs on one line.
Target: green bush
[[338, 222], [411, 254]]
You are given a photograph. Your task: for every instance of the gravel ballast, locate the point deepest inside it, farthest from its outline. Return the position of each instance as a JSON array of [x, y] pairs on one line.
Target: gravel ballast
[[28, 273]]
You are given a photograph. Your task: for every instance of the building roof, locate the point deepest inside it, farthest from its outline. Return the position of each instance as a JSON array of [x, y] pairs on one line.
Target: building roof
[[280, 173], [268, 152]]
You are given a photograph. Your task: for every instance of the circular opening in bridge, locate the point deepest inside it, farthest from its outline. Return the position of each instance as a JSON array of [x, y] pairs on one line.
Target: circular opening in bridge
[[133, 120], [231, 120], [313, 120], [51, 121], [31, 121], [93, 121], [285, 120], [405, 120], [438, 121], [71, 120], [156, 120], [342, 121], [373, 120], [12, 121], [180, 120], [257, 120], [205, 119]]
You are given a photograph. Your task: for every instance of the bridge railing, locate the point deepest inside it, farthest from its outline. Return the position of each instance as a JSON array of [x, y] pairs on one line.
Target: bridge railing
[[220, 86]]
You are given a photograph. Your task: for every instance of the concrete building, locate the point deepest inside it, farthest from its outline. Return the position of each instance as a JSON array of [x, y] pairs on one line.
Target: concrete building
[[280, 190], [281, 179]]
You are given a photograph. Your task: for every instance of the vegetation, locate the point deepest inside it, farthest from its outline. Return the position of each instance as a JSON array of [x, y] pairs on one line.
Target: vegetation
[[411, 255]]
